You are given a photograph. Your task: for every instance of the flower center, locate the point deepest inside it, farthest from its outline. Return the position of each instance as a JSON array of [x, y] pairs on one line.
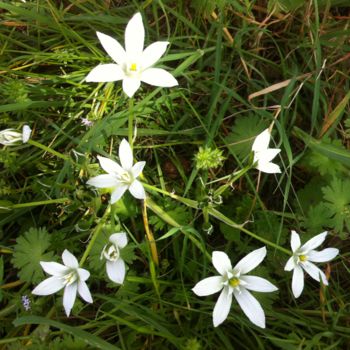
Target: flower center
[[112, 253], [70, 278], [126, 178], [234, 282], [133, 67], [302, 258]]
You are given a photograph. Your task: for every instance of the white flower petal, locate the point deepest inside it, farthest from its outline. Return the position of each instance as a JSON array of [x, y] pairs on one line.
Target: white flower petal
[[208, 286], [297, 281], [125, 155], [54, 268], [290, 265], [69, 259], [137, 169], [131, 85], [258, 284], [323, 255], [158, 77], [267, 155], [112, 47], [69, 295], [119, 239], [110, 166], [105, 73], [84, 292], [269, 168], [314, 242], [118, 192], [222, 307], [83, 274], [314, 271], [153, 53], [116, 270], [26, 131], [261, 142], [103, 181], [221, 262], [137, 190], [250, 306], [251, 261], [134, 37], [49, 286], [295, 241]]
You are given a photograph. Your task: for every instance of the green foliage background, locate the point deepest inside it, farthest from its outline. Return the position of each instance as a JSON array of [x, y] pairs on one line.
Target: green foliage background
[[48, 47]]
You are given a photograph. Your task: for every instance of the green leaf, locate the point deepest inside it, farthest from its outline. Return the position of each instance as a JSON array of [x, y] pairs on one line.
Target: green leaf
[[29, 251], [89, 338]]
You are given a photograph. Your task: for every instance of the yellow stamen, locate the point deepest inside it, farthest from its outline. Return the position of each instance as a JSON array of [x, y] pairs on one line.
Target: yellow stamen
[[133, 67], [234, 282], [302, 257]]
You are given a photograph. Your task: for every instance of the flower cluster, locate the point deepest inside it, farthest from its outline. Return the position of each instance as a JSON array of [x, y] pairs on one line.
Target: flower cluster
[[134, 65]]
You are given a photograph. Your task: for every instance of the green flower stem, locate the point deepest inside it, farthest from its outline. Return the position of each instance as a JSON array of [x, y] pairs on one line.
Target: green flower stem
[[218, 215], [131, 121], [234, 178], [95, 234], [35, 204], [48, 149]]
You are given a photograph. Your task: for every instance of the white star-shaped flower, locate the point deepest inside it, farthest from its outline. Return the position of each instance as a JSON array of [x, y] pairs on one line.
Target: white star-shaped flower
[[68, 276], [11, 136], [120, 178], [134, 64], [234, 281], [115, 265], [263, 154], [303, 258]]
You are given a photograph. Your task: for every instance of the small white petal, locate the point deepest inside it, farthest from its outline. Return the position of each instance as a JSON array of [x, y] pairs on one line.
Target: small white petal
[[125, 155], [267, 155], [137, 169], [104, 73], [251, 261], [69, 259], [297, 281], [269, 168], [119, 239], [153, 53], [258, 284], [137, 190], [26, 131], [54, 269], [49, 286], [250, 306], [112, 47], [131, 85], [103, 181], [290, 265], [295, 241], [222, 307], [118, 192], [110, 166], [208, 286], [221, 262], [84, 292], [134, 36], [323, 255], [314, 242], [69, 295], [261, 142], [116, 270], [314, 271], [158, 77], [83, 274]]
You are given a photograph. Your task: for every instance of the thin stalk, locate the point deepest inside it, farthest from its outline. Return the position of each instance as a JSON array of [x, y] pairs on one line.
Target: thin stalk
[[131, 122], [48, 149], [35, 204], [95, 234]]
